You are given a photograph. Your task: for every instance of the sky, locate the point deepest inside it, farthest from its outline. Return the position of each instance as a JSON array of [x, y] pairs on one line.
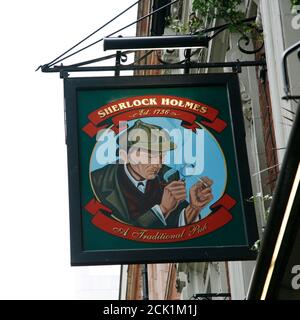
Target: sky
[[34, 225]]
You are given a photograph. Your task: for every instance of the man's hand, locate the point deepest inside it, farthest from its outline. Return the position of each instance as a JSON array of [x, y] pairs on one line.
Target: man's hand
[[200, 196], [200, 193], [173, 194]]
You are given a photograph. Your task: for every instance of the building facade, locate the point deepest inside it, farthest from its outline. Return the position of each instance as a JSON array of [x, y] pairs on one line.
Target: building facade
[[267, 118]]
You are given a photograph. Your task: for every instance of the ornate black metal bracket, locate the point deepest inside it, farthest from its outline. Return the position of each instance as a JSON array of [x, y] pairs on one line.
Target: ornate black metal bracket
[[236, 67], [186, 64], [245, 40]]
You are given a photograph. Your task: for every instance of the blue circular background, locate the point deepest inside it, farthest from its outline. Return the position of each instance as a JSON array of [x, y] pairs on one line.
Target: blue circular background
[[214, 160]]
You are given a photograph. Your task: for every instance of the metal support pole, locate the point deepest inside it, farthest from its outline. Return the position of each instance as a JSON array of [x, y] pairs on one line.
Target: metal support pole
[[118, 63], [187, 55], [145, 282], [155, 67]]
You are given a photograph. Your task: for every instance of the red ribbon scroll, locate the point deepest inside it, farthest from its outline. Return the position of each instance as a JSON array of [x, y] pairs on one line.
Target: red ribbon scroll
[[218, 218], [128, 111]]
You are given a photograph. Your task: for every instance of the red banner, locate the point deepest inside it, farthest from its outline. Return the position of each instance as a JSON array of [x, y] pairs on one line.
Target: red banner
[[219, 216], [154, 106]]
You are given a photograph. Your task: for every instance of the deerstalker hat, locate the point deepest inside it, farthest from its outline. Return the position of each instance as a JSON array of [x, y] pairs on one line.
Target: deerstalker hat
[[146, 136]]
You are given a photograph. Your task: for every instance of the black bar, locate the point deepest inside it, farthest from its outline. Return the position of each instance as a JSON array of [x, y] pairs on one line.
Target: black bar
[[134, 43], [151, 67], [212, 295], [187, 61], [291, 97], [145, 282], [118, 63]]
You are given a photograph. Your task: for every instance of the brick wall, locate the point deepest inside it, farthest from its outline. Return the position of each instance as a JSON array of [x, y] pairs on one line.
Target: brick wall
[[268, 127]]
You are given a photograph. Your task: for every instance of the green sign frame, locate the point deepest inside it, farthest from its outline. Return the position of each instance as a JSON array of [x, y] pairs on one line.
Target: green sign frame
[[111, 221]]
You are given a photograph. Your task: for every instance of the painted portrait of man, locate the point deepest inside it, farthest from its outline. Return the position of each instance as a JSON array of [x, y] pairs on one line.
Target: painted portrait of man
[[136, 189]]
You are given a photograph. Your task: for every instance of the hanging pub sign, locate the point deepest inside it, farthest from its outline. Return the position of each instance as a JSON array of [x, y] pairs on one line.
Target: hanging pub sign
[[158, 170]]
